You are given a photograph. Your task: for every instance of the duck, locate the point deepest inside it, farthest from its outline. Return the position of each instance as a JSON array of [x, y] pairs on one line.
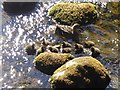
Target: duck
[[45, 42], [89, 44], [69, 32], [95, 51], [30, 49], [40, 50], [53, 49], [66, 44], [67, 50], [78, 48]]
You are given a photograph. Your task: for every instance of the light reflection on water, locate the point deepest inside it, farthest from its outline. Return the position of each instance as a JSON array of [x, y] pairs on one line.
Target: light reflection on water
[[17, 67], [18, 70]]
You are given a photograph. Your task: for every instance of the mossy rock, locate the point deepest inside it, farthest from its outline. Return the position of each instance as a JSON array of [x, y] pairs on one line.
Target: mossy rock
[[48, 62], [82, 72], [70, 13], [114, 7]]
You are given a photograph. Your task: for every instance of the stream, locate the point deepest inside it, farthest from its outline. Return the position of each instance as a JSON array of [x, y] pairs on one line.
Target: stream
[[20, 30]]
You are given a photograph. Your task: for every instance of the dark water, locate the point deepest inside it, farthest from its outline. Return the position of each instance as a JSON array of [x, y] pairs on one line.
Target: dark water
[[20, 30]]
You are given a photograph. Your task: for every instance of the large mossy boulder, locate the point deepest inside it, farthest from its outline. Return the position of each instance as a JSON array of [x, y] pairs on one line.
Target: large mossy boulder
[[82, 72], [71, 13], [48, 62]]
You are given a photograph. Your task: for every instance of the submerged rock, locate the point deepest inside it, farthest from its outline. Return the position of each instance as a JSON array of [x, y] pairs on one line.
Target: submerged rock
[[70, 13], [82, 72], [48, 62], [16, 8], [30, 49]]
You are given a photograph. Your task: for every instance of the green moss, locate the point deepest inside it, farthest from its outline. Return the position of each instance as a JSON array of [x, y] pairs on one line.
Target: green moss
[[82, 72], [114, 7], [71, 13], [48, 62]]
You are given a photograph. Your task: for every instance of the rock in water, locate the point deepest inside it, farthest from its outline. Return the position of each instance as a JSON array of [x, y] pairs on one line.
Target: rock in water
[[48, 62], [70, 13], [82, 72], [16, 8]]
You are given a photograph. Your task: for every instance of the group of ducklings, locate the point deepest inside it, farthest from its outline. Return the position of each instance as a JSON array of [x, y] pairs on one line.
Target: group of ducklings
[[64, 47]]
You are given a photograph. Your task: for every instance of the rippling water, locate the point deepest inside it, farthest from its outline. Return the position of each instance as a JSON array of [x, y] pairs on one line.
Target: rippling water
[[17, 32]]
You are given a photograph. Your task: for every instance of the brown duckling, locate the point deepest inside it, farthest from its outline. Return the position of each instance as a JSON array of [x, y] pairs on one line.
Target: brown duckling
[[41, 50], [95, 52], [30, 49], [89, 44], [67, 50], [78, 48], [57, 46], [45, 42], [53, 49], [66, 44]]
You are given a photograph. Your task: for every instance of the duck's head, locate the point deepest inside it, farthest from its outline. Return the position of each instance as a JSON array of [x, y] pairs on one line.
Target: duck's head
[[77, 27]]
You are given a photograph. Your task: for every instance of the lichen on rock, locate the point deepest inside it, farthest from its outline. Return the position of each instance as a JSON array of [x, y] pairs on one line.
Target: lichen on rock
[[48, 62], [82, 72], [71, 13]]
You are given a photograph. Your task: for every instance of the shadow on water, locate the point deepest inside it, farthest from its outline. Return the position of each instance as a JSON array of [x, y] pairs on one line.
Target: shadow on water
[[20, 30]]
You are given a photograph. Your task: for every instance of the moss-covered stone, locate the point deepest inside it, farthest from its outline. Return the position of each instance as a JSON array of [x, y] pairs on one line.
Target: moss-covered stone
[[48, 62], [82, 72], [71, 13], [114, 7]]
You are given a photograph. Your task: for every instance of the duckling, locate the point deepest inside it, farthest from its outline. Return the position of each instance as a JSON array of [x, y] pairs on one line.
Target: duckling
[[95, 52], [57, 46], [89, 44], [53, 49], [45, 42], [67, 50], [78, 48], [66, 44], [41, 50], [30, 49]]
